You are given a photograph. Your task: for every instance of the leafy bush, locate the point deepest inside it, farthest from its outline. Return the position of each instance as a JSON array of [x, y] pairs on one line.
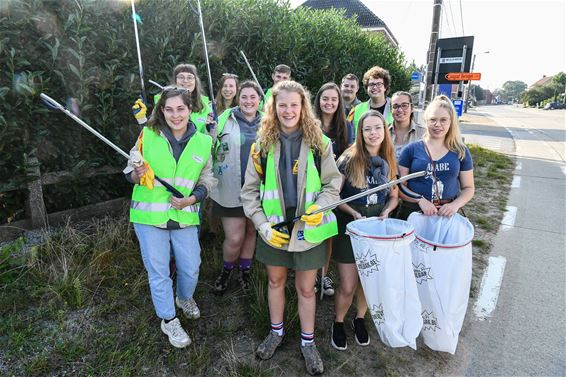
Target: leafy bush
[[83, 53]]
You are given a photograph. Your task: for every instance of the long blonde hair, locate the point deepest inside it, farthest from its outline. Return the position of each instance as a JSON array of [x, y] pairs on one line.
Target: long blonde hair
[[453, 138], [268, 133], [357, 158]]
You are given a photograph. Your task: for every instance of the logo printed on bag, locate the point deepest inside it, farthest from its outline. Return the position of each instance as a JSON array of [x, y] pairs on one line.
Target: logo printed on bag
[[429, 321], [377, 314], [367, 263], [301, 235], [422, 273], [421, 245]]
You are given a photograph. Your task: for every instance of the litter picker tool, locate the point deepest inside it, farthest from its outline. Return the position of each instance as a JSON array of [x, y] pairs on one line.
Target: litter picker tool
[[354, 197], [156, 84], [210, 87], [56, 105], [134, 18], [252, 72]]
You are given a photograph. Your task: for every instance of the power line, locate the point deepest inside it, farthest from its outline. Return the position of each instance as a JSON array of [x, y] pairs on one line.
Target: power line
[[452, 16], [462, 18]]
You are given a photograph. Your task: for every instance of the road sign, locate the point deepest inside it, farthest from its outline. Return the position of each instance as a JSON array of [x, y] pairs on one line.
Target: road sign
[[452, 60], [416, 76], [458, 105], [463, 76], [451, 57]]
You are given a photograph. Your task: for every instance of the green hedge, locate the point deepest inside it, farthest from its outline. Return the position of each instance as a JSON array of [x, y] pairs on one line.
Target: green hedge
[[85, 50]]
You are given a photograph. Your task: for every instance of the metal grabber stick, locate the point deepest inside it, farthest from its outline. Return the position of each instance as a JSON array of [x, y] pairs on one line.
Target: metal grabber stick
[[139, 51], [56, 105], [252, 72], [210, 87], [354, 197]]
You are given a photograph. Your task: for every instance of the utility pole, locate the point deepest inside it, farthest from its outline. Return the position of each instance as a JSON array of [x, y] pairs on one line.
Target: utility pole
[[437, 8]]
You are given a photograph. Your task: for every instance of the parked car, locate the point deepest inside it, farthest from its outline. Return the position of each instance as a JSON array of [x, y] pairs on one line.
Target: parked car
[[554, 106]]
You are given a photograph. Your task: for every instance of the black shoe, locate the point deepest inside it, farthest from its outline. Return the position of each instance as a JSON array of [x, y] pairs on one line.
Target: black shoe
[[223, 280], [360, 333], [245, 279], [338, 337]]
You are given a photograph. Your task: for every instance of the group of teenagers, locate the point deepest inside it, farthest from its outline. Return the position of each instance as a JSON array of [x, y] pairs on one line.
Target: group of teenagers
[[270, 159]]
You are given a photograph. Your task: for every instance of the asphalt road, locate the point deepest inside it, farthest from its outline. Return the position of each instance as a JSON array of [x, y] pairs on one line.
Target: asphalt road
[[525, 335]]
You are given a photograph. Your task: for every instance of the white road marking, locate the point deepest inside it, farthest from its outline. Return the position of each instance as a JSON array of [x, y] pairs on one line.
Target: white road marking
[[516, 181], [490, 286], [509, 218], [563, 169], [519, 166]]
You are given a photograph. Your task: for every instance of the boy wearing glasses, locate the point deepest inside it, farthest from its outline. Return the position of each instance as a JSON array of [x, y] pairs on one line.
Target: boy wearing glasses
[[377, 82]]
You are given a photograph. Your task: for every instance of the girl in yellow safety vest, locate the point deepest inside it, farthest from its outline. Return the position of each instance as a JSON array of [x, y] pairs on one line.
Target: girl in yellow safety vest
[[183, 76], [283, 181], [368, 163], [173, 150]]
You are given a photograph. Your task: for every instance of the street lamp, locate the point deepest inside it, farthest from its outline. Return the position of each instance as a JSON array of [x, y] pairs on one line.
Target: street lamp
[[468, 88]]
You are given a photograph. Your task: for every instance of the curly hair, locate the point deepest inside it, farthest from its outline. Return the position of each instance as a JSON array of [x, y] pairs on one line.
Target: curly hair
[[268, 133], [376, 72]]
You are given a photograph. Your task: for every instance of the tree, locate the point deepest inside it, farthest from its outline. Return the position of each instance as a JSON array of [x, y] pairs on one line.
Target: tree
[[477, 92], [513, 89]]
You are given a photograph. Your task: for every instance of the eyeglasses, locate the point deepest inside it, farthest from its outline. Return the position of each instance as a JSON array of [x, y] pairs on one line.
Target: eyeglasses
[[185, 78], [443, 121], [376, 84], [404, 106], [369, 129]]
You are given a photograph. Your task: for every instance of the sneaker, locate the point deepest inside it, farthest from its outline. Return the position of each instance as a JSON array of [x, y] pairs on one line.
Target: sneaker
[[267, 348], [189, 307], [245, 279], [360, 333], [177, 336], [327, 287], [338, 337], [223, 280], [313, 362]]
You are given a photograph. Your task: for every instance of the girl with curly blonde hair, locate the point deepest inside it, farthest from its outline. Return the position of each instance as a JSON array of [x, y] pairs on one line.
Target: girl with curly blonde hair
[[291, 173]]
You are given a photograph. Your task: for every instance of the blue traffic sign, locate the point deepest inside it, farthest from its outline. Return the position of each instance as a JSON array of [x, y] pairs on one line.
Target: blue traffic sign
[[416, 76], [458, 105]]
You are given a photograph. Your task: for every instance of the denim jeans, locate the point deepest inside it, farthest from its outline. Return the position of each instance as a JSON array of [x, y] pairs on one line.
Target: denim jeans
[[156, 247]]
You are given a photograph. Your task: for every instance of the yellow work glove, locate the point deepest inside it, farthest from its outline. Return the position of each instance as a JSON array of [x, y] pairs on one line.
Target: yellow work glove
[[312, 220], [147, 179], [140, 111], [274, 237]]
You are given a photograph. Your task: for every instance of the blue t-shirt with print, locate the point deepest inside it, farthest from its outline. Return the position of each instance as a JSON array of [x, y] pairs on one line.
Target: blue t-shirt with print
[[448, 168]]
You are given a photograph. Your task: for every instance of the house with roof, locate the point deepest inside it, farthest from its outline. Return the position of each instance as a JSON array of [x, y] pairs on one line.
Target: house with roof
[[367, 20], [543, 81]]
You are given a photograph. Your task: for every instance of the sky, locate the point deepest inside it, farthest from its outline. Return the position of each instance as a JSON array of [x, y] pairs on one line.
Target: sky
[[526, 39]]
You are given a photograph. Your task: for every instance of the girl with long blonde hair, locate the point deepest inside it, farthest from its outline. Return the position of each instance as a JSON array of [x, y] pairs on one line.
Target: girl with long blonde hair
[[449, 183], [284, 180], [368, 163]]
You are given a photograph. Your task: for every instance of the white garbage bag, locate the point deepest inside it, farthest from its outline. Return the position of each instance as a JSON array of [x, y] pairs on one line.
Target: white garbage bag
[[382, 249], [442, 260]]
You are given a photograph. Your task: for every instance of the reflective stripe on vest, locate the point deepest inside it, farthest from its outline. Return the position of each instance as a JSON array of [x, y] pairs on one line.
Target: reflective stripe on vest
[[152, 207], [272, 206]]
